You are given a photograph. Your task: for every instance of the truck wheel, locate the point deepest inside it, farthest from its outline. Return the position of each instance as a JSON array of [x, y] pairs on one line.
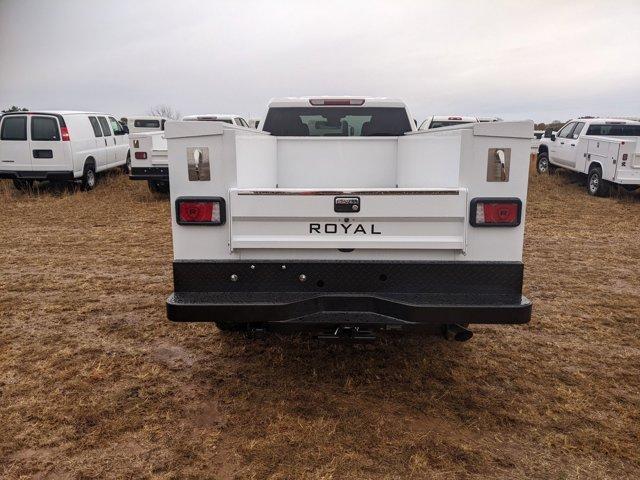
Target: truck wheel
[[158, 186], [89, 177], [126, 168], [543, 165], [22, 184], [230, 327], [596, 186]]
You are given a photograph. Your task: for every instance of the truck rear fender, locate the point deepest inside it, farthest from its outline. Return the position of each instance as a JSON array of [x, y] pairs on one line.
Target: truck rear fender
[[594, 164]]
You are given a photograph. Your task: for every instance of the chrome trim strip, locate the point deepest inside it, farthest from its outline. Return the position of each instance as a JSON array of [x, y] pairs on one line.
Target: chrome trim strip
[[348, 192]]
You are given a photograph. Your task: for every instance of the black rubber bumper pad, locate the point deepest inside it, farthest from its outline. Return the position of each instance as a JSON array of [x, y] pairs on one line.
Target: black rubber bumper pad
[[371, 292]]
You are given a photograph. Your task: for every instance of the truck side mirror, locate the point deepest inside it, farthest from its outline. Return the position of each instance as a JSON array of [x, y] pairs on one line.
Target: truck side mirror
[[552, 137], [125, 129]]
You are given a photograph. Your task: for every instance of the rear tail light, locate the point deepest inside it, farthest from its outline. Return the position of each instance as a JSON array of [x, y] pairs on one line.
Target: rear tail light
[[141, 155], [625, 157], [316, 102], [200, 211], [64, 133], [495, 212]]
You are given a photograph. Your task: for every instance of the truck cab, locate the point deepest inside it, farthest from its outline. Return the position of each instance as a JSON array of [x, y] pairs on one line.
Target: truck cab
[[339, 216], [607, 150]]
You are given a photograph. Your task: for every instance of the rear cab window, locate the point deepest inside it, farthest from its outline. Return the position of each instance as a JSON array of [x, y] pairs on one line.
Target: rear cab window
[[14, 127], [337, 121], [147, 123], [106, 131], [447, 123], [614, 130], [44, 129]]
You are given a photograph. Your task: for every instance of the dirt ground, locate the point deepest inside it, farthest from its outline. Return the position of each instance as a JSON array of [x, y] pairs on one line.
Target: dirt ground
[[96, 383]]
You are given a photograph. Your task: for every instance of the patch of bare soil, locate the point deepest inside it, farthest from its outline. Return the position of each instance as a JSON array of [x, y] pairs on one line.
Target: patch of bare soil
[[96, 383]]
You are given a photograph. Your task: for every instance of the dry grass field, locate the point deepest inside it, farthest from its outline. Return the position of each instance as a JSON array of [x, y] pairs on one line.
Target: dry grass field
[[96, 383]]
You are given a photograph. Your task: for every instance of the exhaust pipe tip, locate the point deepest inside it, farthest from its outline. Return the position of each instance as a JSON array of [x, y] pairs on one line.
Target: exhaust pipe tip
[[457, 332]]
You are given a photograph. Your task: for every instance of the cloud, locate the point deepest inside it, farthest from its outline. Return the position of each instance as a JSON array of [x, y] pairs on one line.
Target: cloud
[[501, 58]]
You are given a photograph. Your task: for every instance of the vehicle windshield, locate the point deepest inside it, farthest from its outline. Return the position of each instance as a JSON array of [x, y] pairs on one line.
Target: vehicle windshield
[[614, 130], [447, 123], [337, 122]]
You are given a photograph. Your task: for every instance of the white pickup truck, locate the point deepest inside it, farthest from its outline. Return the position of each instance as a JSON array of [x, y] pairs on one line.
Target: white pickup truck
[[339, 216], [606, 150], [149, 160]]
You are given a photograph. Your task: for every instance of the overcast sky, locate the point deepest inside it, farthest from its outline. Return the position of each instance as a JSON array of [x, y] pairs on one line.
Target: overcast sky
[[543, 60]]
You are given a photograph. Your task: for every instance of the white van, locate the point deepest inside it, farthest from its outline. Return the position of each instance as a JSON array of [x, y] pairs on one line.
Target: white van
[[438, 121], [61, 145], [148, 123]]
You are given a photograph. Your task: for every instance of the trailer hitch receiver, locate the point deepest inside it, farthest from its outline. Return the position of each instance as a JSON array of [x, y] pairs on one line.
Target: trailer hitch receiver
[[349, 333]]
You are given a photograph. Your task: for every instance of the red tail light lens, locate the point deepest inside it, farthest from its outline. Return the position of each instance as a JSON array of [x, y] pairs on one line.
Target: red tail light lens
[[200, 211], [64, 133], [141, 155], [495, 212]]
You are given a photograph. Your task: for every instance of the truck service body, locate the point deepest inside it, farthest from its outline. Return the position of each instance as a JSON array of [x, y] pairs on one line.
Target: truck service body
[[149, 159], [606, 150], [339, 214]]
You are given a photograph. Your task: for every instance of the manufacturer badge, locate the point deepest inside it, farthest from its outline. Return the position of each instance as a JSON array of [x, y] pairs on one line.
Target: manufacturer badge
[[346, 204]]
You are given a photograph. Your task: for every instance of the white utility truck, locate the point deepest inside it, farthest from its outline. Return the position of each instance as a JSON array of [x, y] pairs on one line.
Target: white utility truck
[[61, 146], [439, 121], [149, 151], [149, 160], [339, 216], [606, 150]]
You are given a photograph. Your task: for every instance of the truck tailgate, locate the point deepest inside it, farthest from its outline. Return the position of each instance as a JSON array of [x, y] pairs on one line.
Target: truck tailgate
[[385, 219]]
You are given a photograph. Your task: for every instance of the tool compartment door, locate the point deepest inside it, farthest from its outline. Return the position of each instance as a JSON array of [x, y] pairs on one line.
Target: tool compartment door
[[433, 219], [606, 153]]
